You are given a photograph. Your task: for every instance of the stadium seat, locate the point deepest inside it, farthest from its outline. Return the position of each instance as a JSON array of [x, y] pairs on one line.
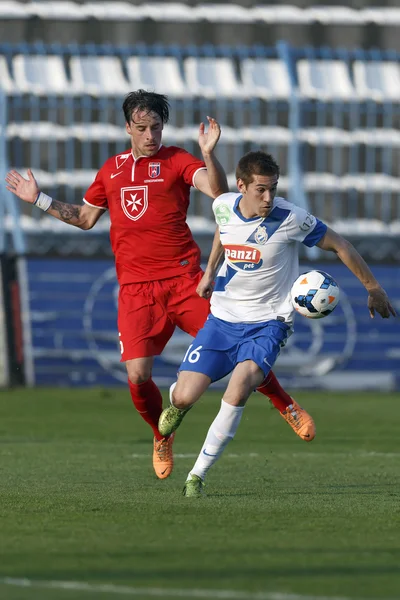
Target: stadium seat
[[9, 9], [382, 138], [377, 80], [228, 13], [280, 136], [6, 83], [265, 78], [98, 76], [331, 15], [41, 74], [382, 15], [213, 78], [321, 182], [279, 13], [326, 136], [174, 12], [109, 11], [158, 73], [37, 130], [325, 80], [60, 11], [360, 227], [379, 182]]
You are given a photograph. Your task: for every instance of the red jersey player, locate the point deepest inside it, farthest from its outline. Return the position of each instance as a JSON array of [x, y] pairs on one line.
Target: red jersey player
[[146, 191]]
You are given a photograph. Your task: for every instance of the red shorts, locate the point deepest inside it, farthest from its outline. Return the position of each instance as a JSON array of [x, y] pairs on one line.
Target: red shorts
[[149, 312]]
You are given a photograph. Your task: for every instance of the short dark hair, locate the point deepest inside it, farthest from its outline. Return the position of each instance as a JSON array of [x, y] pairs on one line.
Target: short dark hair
[[146, 101], [256, 162]]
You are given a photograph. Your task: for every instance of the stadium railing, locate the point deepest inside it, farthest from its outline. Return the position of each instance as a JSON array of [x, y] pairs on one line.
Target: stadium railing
[[329, 116]]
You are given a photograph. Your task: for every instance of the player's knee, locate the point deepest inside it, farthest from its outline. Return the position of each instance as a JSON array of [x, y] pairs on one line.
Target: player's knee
[[182, 397], [139, 375]]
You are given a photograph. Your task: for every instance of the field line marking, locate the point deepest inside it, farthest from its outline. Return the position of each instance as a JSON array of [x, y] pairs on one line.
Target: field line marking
[[193, 455], [125, 590], [361, 454]]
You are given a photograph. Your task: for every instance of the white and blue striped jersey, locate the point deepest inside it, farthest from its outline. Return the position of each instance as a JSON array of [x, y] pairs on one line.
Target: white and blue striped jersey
[[261, 259]]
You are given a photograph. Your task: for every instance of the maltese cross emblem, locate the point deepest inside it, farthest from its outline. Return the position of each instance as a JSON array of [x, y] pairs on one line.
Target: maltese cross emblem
[[134, 201]]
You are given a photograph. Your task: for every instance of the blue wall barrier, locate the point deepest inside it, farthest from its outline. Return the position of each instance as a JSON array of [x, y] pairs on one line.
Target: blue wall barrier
[[73, 339]]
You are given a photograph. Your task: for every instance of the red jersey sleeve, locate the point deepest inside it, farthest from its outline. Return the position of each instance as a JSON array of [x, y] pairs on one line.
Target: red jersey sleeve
[[188, 165], [96, 194]]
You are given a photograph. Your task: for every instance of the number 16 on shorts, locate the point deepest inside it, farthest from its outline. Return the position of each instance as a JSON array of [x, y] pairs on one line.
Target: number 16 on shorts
[[192, 355]]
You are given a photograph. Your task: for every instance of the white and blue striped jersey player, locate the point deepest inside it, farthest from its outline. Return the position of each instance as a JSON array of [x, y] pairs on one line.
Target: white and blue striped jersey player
[[251, 312]]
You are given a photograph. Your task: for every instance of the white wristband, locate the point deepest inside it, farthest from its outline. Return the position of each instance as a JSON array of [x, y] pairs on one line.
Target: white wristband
[[43, 201]]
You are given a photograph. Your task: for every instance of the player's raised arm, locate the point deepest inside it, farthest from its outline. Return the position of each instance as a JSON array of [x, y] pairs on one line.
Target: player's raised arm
[[377, 297], [82, 216], [212, 182], [206, 285]]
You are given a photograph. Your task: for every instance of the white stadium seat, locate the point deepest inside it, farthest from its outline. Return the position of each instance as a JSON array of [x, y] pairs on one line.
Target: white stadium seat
[[229, 13], [325, 80], [159, 73], [98, 75], [360, 227], [334, 14], [174, 12], [265, 78], [9, 9], [40, 74], [180, 12], [213, 78], [382, 15], [110, 11], [383, 138], [326, 136], [7, 85], [279, 13], [60, 10], [377, 80]]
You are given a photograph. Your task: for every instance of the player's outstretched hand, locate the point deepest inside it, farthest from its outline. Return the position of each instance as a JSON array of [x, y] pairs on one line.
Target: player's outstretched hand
[[379, 302], [208, 140], [26, 189], [206, 286]]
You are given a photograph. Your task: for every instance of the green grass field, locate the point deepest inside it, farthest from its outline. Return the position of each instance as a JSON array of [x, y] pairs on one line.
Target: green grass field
[[283, 520]]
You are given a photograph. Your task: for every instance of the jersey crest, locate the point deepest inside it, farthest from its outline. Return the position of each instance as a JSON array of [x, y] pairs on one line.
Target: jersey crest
[[134, 201], [261, 234], [154, 169]]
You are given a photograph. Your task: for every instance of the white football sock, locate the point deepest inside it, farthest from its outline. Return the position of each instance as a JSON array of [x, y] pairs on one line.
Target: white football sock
[[171, 389], [222, 430]]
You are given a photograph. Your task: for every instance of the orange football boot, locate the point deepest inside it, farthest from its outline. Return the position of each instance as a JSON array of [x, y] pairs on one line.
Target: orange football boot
[[300, 421], [163, 459]]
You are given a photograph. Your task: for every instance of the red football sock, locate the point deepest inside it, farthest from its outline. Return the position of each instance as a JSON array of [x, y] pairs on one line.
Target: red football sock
[[272, 388], [148, 402]]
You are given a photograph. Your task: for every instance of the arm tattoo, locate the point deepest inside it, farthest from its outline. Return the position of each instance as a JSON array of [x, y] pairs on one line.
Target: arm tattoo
[[67, 212]]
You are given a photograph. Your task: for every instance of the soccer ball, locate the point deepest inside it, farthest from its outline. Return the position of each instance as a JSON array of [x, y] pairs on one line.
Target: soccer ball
[[315, 294]]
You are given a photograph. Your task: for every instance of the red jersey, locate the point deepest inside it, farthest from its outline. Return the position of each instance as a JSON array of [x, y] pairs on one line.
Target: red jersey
[[148, 199]]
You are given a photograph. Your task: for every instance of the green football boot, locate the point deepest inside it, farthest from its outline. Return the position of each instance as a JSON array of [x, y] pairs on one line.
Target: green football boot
[[170, 419], [194, 487]]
